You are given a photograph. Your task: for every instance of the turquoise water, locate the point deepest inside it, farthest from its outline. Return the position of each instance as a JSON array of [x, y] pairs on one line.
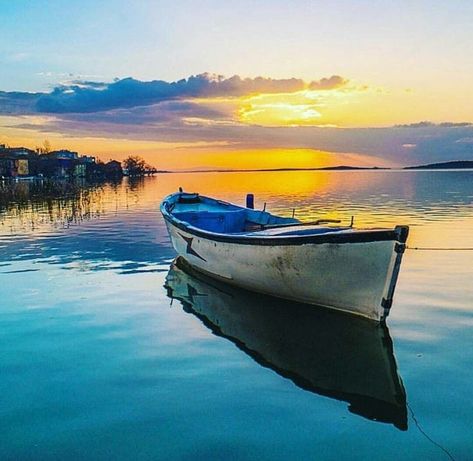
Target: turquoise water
[[106, 354]]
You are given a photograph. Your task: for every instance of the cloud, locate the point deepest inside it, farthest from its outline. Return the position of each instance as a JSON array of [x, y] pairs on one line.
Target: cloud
[[18, 103], [187, 122], [205, 109], [335, 81], [427, 124], [88, 97], [152, 115]]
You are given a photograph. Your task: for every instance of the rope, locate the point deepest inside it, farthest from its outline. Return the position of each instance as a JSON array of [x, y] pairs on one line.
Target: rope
[[416, 422], [439, 249]]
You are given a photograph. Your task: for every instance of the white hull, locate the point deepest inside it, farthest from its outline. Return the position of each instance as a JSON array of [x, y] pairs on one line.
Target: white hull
[[351, 270], [351, 277]]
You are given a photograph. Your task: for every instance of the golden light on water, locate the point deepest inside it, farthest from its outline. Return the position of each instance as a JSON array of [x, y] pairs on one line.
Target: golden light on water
[[313, 194]]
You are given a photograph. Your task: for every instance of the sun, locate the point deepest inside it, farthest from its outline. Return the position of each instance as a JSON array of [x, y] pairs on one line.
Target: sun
[[302, 108], [279, 109]]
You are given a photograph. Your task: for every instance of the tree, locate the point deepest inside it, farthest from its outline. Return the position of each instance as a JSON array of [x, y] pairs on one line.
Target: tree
[[45, 148], [135, 165], [150, 169]]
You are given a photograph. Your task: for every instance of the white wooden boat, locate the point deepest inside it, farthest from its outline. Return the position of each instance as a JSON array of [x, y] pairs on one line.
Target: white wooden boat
[[353, 270], [322, 351]]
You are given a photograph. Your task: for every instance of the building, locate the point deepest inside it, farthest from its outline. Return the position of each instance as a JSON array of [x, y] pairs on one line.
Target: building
[[60, 164], [14, 161], [63, 154], [11, 167], [87, 159], [7, 167], [79, 170], [113, 169], [21, 166], [63, 163]]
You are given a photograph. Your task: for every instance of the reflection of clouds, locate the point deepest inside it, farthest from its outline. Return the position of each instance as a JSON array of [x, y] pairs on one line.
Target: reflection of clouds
[[468, 140]]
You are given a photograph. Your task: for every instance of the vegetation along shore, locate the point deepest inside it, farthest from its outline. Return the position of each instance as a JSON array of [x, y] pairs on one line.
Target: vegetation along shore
[[43, 162]]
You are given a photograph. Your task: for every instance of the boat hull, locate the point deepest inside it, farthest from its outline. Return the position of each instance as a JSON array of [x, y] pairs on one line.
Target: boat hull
[[356, 274]]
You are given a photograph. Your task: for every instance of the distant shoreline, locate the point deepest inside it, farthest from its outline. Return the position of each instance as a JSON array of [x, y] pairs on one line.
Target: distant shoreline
[[457, 165], [260, 170], [443, 166]]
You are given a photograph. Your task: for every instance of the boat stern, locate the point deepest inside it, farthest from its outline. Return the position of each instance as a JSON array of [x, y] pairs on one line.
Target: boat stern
[[402, 233]]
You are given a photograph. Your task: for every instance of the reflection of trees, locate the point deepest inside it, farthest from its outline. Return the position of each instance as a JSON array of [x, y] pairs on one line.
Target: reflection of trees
[[99, 226], [136, 183], [60, 203]]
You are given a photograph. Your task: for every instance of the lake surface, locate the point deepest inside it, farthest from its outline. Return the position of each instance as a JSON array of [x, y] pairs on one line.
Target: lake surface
[[107, 354]]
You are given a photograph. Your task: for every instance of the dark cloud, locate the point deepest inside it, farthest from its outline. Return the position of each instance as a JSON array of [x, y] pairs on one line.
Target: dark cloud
[[87, 97], [122, 94], [17, 103], [153, 115], [427, 124], [89, 84]]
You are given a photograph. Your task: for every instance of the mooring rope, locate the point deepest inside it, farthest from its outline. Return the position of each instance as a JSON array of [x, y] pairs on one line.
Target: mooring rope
[[422, 431], [439, 248]]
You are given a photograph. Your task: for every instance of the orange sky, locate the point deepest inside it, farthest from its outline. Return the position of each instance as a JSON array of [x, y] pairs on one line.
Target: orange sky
[[230, 132]]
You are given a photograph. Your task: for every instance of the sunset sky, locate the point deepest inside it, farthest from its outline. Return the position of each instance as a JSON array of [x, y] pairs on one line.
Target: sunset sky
[[267, 84]]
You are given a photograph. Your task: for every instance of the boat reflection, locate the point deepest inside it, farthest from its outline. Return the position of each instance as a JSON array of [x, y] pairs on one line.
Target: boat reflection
[[322, 351]]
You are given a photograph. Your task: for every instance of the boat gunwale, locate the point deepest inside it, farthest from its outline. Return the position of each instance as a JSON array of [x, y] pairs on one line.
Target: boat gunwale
[[399, 233]]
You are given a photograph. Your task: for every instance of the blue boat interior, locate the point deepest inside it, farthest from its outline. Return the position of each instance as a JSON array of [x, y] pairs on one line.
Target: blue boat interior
[[225, 218]]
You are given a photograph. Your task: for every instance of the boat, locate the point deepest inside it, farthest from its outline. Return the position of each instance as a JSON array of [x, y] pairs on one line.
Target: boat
[[328, 353], [339, 267]]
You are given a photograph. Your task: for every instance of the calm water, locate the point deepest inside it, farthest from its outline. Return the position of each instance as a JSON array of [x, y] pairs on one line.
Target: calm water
[[105, 354]]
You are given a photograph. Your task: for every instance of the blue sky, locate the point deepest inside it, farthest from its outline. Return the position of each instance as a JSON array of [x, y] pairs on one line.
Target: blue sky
[[401, 62], [396, 43]]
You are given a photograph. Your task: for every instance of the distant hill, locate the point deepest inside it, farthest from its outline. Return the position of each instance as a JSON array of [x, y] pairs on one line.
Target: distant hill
[[346, 167], [327, 168], [456, 165]]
